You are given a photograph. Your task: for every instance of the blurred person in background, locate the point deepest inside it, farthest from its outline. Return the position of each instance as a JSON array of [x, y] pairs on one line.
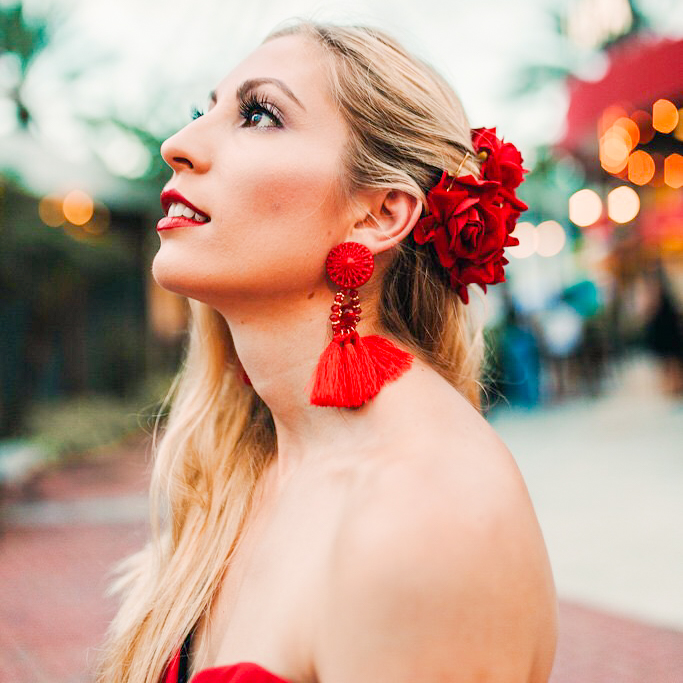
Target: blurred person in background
[[562, 336], [664, 334], [520, 359], [348, 516]]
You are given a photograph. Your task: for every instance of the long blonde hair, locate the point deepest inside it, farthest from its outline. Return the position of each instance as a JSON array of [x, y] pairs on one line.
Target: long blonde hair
[[405, 126]]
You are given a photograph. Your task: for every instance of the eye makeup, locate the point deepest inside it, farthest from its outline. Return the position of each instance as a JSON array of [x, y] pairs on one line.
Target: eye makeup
[[252, 107]]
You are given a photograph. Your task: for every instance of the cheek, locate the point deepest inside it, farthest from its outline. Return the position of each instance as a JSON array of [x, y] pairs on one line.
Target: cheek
[[290, 187], [283, 213]]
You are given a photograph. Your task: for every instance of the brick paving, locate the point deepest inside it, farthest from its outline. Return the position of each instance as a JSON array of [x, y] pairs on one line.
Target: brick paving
[[54, 611], [120, 470], [596, 647], [53, 608]]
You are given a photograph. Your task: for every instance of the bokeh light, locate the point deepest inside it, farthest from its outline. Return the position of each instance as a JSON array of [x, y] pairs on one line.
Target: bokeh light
[[50, 210], [525, 232], [100, 221], [609, 117], [664, 116], [550, 238], [630, 128], [644, 122], [623, 204], [641, 167], [678, 131], [75, 231], [585, 207], [78, 207], [615, 146], [673, 171]]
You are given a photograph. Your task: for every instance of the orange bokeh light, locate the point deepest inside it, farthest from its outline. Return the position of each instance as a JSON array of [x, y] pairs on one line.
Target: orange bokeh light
[[615, 146], [78, 207], [664, 116], [641, 167], [613, 152], [50, 210], [673, 171], [644, 122], [609, 116], [630, 130], [678, 131]]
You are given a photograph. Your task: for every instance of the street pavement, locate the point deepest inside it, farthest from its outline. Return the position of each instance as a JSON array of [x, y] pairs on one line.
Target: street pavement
[[604, 475], [606, 479]]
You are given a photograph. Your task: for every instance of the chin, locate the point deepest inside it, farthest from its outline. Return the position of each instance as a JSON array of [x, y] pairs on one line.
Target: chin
[[176, 278], [193, 280]]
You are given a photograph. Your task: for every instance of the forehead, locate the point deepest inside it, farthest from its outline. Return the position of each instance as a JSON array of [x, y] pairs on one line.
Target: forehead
[[295, 59]]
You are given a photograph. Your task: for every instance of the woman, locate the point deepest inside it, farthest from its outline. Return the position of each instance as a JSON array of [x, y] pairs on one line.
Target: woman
[[390, 539]]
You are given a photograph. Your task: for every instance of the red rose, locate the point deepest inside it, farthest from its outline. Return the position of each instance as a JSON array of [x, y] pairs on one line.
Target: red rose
[[469, 220], [503, 160], [486, 139], [468, 229]]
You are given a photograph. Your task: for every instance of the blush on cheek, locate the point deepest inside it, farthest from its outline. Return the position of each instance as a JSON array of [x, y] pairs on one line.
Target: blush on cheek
[[284, 197], [288, 187]]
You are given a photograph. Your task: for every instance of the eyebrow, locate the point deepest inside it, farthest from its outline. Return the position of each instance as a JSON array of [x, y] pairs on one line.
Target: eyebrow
[[253, 83]]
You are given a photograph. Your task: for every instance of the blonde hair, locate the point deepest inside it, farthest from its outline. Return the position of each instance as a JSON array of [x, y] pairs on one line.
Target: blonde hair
[[405, 126]]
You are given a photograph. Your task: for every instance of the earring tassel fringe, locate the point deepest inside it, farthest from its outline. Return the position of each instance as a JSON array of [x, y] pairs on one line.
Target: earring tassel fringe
[[353, 369]]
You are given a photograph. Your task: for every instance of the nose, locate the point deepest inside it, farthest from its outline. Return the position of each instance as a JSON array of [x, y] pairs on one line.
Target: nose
[[183, 151]]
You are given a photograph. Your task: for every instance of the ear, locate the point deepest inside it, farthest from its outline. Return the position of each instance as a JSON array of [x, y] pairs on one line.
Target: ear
[[389, 217]]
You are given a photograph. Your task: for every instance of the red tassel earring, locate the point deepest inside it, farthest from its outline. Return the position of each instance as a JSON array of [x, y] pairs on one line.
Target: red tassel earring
[[353, 369]]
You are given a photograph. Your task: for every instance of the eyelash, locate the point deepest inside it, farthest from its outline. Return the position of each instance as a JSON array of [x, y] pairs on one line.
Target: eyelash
[[253, 103], [250, 104]]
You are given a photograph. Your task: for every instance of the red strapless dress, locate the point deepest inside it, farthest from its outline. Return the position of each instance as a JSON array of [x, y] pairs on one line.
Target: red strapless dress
[[244, 672]]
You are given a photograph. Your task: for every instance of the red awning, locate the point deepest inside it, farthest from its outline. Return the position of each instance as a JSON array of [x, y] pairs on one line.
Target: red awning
[[641, 70]]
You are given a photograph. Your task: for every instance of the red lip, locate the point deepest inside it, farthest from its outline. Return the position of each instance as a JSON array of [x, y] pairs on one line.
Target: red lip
[[168, 197], [168, 222]]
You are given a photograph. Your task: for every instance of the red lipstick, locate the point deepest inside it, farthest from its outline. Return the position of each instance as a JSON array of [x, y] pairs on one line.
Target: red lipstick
[[169, 197]]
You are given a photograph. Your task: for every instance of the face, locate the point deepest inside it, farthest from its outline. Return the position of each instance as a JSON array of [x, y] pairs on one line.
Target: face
[[263, 166]]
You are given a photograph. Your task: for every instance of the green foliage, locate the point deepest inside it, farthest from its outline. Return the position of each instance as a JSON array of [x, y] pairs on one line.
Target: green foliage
[[77, 428], [556, 66], [546, 189], [44, 266], [24, 40], [68, 429], [152, 392], [157, 172], [20, 37], [534, 77]]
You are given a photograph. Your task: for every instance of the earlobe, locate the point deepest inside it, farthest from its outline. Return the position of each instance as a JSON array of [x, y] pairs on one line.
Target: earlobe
[[390, 218]]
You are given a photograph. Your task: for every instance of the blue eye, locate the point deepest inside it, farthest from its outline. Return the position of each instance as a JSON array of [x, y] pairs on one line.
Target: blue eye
[[255, 117], [256, 112]]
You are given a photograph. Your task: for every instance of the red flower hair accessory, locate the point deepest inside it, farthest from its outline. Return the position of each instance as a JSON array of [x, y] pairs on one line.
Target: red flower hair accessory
[[470, 220]]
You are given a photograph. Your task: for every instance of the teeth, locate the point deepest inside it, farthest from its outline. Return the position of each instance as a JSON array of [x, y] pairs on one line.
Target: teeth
[[178, 209]]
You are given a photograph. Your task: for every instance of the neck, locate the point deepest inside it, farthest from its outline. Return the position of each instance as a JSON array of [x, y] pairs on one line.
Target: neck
[[278, 343]]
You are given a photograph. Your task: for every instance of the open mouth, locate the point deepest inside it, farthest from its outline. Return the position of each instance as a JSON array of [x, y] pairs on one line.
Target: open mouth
[[176, 206], [179, 209]]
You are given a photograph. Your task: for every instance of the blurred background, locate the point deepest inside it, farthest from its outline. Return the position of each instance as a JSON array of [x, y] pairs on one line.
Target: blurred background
[[585, 369]]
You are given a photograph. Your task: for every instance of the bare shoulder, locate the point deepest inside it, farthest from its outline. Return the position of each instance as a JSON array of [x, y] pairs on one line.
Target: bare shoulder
[[439, 571]]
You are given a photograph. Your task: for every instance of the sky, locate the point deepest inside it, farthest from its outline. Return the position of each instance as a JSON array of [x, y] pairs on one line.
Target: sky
[[147, 62]]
